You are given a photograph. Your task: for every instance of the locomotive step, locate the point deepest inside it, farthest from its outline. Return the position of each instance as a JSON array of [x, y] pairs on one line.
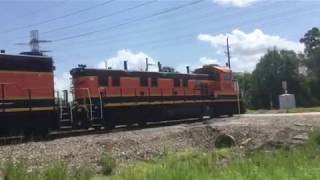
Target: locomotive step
[[65, 127], [96, 125], [65, 120]]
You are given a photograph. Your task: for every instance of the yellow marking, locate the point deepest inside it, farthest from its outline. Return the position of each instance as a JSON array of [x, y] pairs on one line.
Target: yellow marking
[[166, 102], [227, 100], [27, 109], [26, 98], [26, 72]]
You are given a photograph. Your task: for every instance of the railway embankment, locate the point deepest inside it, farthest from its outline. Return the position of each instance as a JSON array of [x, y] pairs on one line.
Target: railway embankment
[[247, 131]]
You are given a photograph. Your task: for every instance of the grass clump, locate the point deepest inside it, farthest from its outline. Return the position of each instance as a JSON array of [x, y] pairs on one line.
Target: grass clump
[[107, 163], [57, 171], [314, 137], [18, 171]]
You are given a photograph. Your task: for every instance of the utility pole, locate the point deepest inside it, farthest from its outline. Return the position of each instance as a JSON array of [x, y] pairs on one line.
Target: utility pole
[[148, 64], [228, 53]]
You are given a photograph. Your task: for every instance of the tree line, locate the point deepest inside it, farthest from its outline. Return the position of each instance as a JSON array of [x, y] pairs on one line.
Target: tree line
[[262, 87]]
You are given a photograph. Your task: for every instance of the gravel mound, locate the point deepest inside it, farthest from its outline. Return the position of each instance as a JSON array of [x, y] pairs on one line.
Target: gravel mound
[[248, 132]]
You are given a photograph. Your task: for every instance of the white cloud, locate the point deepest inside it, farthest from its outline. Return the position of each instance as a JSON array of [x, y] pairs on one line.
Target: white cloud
[[62, 82], [194, 65], [247, 48], [237, 3], [136, 61], [206, 60]]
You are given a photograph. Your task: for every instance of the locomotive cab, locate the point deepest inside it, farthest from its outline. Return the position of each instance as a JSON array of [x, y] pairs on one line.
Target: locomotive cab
[[223, 78]]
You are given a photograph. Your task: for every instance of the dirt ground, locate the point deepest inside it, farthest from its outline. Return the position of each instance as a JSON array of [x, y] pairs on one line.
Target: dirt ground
[[249, 131]]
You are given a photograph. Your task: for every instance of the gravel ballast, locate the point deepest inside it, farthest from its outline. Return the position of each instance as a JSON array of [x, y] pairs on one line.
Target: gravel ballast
[[249, 131]]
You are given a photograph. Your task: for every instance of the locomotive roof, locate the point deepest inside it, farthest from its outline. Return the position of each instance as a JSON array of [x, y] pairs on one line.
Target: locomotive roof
[[24, 56], [26, 63], [223, 69], [206, 68], [100, 72]]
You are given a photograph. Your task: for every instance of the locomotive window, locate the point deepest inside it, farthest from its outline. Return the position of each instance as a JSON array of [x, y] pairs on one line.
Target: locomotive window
[[103, 80], [227, 77], [185, 82], [115, 81], [154, 82], [214, 76], [143, 81], [176, 82]]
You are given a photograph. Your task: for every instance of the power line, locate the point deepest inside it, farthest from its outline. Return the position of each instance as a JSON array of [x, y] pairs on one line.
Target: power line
[[33, 12], [174, 40], [122, 35], [59, 17], [280, 16], [130, 22], [192, 35], [144, 29], [99, 18]]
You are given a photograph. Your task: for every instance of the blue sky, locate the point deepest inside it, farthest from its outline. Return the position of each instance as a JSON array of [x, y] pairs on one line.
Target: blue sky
[[191, 35]]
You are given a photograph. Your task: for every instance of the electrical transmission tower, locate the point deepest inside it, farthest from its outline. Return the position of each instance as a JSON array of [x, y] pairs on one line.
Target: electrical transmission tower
[[34, 44]]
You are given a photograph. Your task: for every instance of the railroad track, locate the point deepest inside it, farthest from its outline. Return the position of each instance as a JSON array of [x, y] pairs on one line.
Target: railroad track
[[72, 133]]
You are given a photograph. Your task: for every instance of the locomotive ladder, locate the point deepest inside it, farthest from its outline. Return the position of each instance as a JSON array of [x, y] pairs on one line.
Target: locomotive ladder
[[95, 111], [65, 112]]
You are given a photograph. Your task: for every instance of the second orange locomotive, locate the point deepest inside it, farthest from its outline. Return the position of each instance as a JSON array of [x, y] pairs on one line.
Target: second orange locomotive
[[112, 97]]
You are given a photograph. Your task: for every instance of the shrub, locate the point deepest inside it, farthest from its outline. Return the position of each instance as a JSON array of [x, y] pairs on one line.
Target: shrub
[[57, 171], [107, 163], [83, 174], [314, 137]]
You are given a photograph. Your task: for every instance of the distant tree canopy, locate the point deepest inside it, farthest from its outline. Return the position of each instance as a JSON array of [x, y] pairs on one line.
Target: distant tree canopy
[[312, 60], [262, 87], [311, 41]]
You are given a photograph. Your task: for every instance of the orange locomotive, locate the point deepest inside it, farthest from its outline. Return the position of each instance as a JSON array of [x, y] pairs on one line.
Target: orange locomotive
[[106, 98], [113, 97], [26, 94]]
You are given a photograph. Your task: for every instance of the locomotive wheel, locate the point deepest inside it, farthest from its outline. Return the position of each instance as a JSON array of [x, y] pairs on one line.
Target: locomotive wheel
[[81, 119], [206, 110], [142, 124], [109, 125], [81, 124]]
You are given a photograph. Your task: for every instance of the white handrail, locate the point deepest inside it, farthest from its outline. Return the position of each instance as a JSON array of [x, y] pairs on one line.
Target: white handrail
[[90, 102], [101, 105], [71, 115]]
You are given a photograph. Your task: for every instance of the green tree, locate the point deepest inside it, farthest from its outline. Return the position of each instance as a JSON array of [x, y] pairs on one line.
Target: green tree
[[245, 83], [311, 41], [274, 67]]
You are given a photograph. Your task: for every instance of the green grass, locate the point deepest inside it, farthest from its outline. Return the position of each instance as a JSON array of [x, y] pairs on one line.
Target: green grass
[[294, 110], [300, 163], [107, 163], [297, 163], [57, 171]]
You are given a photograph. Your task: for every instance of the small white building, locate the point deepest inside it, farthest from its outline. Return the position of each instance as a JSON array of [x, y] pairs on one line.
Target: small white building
[[287, 101]]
